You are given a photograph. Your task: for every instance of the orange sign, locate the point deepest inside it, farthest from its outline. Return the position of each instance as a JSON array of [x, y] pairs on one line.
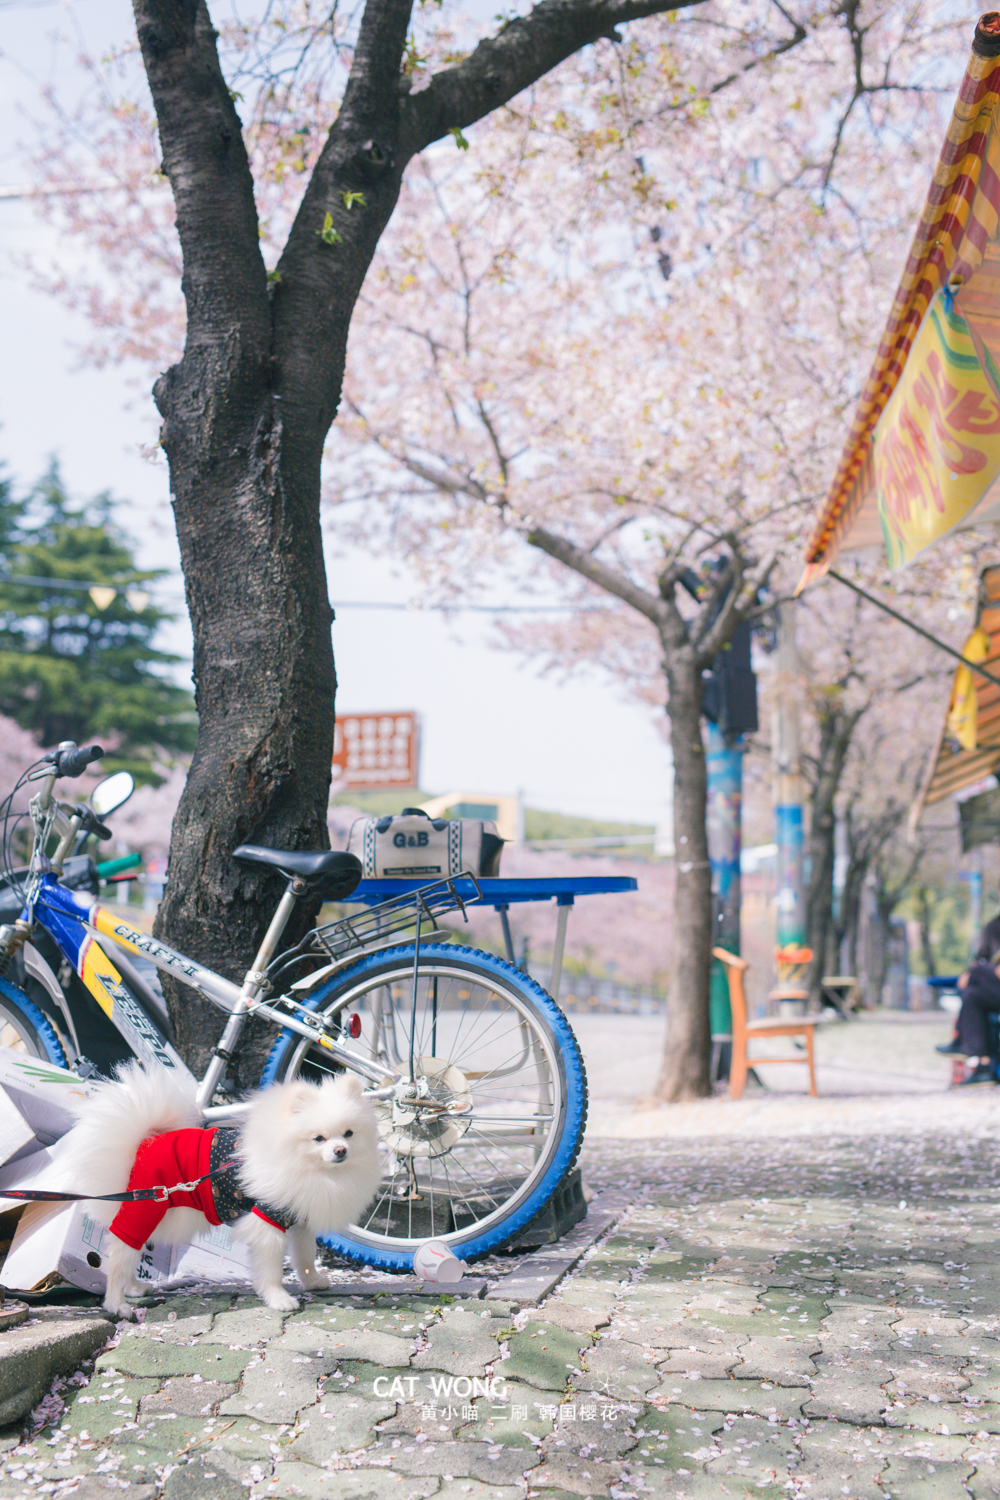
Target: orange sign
[[377, 750]]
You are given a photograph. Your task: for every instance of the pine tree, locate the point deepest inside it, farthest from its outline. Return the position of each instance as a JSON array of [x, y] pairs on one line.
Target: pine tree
[[70, 669], [11, 517]]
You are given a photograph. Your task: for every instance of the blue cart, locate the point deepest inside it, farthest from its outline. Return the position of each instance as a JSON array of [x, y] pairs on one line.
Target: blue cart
[[502, 894]]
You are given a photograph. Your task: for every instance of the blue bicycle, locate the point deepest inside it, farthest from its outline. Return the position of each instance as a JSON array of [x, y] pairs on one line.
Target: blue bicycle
[[477, 1078]]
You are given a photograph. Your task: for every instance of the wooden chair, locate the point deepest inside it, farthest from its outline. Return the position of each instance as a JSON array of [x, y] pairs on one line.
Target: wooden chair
[[744, 1030]]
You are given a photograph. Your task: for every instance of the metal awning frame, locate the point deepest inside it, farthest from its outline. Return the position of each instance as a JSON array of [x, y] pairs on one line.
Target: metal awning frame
[[911, 625]]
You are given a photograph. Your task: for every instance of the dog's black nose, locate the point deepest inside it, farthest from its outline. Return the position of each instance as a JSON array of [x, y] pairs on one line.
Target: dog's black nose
[[340, 1152]]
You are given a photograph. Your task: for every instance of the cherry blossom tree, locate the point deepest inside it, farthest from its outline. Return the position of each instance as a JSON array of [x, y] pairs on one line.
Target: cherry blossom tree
[[663, 411], [871, 712]]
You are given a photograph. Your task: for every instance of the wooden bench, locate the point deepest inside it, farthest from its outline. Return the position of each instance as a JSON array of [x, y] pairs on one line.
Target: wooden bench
[[842, 993], [745, 1030]]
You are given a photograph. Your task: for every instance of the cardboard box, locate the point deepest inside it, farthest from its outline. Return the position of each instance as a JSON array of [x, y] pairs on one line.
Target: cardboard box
[[68, 1241], [213, 1255], [16, 1136], [54, 1240], [65, 1240], [43, 1094], [40, 1169]]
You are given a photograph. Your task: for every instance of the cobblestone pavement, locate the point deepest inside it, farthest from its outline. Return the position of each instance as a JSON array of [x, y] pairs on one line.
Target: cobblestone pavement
[[808, 1317]]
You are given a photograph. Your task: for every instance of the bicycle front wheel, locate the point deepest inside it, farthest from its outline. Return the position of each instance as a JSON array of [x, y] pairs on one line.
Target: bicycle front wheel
[[26, 1029], [503, 1097]]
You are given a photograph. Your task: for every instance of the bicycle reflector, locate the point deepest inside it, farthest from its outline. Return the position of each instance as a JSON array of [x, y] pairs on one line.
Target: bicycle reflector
[[354, 1027]]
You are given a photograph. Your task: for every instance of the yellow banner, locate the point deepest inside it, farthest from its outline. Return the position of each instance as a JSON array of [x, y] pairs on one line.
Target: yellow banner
[[937, 445], [963, 711]]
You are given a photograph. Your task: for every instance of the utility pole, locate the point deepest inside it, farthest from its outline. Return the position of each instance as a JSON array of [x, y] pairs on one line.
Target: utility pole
[[790, 925], [724, 755], [729, 705]]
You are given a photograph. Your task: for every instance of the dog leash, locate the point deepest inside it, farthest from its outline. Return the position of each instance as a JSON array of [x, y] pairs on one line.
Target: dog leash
[[159, 1194]]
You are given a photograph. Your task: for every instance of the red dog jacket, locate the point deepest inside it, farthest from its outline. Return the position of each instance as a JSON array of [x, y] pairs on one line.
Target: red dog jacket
[[183, 1156]]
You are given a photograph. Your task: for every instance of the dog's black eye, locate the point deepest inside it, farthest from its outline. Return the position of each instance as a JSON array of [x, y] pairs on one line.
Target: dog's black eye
[[319, 1137], [348, 1133]]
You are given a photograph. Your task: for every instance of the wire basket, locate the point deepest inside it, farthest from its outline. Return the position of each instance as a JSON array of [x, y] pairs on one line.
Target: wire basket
[[398, 915]]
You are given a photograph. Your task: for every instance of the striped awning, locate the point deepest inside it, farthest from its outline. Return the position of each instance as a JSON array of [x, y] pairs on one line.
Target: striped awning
[[924, 449], [952, 768]]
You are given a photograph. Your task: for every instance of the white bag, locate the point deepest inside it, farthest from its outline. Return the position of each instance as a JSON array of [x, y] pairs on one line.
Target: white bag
[[414, 845]]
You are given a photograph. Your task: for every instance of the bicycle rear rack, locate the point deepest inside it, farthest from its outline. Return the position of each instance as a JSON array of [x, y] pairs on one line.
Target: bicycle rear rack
[[377, 924]]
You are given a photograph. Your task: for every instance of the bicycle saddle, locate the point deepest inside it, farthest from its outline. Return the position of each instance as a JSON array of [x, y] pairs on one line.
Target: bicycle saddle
[[328, 869]]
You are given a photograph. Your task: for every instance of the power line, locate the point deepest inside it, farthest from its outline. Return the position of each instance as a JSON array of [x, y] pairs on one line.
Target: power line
[[601, 841], [61, 583], [18, 192], [29, 581], [485, 609], [103, 595]]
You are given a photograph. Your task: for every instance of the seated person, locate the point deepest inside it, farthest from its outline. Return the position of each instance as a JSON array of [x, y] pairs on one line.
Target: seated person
[[980, 990]]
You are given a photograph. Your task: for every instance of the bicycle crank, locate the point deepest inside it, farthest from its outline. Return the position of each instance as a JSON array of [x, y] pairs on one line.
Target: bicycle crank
[[426, 1118]]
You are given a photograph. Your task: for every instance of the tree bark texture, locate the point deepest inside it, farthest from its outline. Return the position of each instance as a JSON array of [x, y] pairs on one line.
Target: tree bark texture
[[684, 1073], [836, 726], [850, 915], [926, 919], [864, 842], [245, 416]]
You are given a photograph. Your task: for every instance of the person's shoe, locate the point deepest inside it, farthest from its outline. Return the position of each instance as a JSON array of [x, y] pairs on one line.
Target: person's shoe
[[982, 1074], [951, 1049]]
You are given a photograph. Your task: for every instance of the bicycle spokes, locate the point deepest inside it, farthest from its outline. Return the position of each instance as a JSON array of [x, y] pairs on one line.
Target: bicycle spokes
[[485, 1097]]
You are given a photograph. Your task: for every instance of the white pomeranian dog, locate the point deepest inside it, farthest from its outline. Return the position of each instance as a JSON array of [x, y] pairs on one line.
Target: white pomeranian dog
[[303, 1161]]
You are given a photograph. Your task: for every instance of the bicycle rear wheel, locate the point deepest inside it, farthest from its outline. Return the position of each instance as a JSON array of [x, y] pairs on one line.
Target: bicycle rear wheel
[[504, 1097]]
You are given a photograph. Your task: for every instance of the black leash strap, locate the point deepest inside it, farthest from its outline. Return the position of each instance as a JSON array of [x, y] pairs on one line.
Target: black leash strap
[[137, 1195]]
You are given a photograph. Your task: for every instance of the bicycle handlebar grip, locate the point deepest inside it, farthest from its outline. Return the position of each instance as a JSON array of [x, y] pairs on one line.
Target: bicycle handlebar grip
[[75, 762]]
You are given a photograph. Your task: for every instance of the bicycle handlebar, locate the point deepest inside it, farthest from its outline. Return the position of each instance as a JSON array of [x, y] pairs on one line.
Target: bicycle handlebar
[[70, 761], [89, 822]]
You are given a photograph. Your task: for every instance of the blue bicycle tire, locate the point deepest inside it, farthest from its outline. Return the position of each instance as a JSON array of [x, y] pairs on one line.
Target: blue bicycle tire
[[561, 1156], [35, 1025]]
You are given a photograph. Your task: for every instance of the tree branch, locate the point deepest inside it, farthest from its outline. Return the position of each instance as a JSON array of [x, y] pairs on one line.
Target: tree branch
[[503, 65], [205, 162], [799, 35], [606, 578], [740, 602], [347, 203], [446, 482]]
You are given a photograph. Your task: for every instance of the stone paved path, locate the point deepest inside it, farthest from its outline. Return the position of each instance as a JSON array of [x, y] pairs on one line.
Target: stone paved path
[[800, 1317]]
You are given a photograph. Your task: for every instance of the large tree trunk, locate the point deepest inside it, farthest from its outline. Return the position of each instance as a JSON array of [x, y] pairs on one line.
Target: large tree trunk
[[264, 676], [245, 416], [685, 1070], [850, 916], [926, 918], [836, 729]]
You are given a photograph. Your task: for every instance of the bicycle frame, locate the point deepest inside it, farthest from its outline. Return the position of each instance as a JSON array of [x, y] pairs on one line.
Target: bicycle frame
[[82, 929], [83, 932]]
